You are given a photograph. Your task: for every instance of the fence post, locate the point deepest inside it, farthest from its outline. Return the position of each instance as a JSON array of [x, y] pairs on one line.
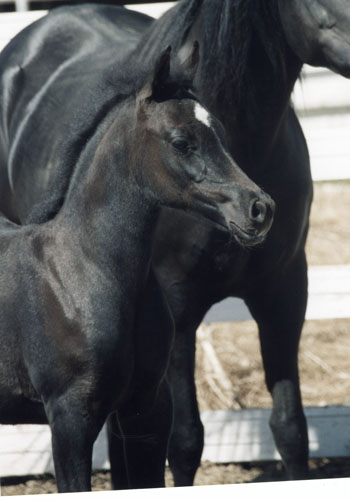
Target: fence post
[[22, 5]]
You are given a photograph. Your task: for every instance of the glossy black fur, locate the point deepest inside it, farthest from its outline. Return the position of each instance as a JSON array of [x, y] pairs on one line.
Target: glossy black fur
[[85, 330], [253, 51]]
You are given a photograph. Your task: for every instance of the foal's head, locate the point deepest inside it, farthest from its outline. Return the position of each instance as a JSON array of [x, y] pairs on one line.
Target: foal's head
[[177, 157]]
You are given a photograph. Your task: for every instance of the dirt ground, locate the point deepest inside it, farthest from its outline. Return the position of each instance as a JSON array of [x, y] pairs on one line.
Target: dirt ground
[[324, 362], [329, 235]]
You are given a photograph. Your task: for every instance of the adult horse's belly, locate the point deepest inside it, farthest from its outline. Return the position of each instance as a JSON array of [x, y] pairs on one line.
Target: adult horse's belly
[[52, 86]]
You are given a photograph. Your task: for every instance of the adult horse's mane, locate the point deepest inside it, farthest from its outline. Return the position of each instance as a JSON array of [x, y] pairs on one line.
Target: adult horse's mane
[[246, 33], [254, 29], [173, 27]]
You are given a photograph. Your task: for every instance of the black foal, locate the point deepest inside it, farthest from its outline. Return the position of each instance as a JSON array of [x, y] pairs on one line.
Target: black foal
[[84, 327]]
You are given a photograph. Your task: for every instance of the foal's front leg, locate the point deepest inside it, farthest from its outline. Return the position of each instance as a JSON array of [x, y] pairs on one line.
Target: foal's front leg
[[74, 432]]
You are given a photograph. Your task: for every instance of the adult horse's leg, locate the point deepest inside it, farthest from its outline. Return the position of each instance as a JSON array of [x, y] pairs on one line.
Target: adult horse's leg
[[279, 306], [73, 436], [138, 444], [187, 438]]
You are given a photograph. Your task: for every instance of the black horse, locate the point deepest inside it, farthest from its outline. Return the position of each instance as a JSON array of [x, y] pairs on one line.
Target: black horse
[[253, 51], [84, 326]]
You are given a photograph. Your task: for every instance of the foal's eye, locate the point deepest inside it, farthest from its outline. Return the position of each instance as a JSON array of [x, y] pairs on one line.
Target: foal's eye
[[180, 145]]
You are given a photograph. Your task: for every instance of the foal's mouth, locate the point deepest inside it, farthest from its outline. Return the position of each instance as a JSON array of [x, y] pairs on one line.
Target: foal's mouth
[[246, 238]]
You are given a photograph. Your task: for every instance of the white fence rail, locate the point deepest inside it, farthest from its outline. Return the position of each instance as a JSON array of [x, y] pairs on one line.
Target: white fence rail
[[230, 436], [322, 100]]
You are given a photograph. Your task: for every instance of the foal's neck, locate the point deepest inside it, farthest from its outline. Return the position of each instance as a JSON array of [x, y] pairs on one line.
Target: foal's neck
[[110, 212]]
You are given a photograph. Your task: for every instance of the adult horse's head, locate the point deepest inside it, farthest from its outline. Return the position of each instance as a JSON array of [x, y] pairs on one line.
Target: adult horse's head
[[318, 31], [186, 161]]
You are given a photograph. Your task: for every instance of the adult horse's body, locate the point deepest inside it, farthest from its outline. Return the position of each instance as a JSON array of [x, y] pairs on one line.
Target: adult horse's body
[[84, 327], [36, 108], [253, 51]]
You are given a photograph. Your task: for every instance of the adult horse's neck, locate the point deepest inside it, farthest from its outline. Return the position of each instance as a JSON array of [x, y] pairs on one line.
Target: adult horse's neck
[[247, 72]]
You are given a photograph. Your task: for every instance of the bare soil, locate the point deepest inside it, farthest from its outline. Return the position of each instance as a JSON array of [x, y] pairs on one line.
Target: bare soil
[[329, 235], [323, 364], [236, 380]]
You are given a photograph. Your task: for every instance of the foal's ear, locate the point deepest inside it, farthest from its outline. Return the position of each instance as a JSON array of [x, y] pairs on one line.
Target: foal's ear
[[160, 75], [190, 65], [161, 72]]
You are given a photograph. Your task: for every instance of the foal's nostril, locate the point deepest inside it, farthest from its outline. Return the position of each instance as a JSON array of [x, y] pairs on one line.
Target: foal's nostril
[[258, 211]]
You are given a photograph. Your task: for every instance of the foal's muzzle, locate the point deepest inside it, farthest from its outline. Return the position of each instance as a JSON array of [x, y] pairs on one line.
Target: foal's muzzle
[[253, 229]]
